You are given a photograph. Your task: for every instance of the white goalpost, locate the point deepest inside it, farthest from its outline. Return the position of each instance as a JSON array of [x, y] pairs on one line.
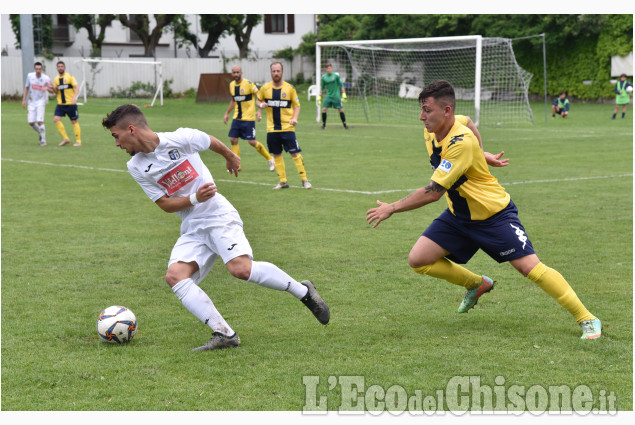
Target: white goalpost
[[383, 78], [121, 75]]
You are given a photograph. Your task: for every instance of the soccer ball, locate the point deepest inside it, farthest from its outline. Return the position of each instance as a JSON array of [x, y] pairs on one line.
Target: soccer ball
[[116, 324], [629, 89]]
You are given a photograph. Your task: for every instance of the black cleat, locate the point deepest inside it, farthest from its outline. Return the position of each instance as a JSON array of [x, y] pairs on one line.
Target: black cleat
[[315, 303]]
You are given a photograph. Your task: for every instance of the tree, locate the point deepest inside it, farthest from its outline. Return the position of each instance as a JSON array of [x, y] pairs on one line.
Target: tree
[[338, 27], [240, 26], [214, 25], [46, 31], [140, 25], [89, 22], [307, 46]]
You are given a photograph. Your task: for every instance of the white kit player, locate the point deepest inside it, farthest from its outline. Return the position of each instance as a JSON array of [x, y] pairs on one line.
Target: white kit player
[[169, 169], [37, 88]]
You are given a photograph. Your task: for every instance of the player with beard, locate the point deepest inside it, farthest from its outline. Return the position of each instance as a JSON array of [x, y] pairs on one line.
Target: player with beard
[[243, 93], [283, 109]]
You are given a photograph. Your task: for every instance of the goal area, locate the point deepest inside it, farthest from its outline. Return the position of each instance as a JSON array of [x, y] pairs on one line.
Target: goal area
[[135, 79], [383, 78]]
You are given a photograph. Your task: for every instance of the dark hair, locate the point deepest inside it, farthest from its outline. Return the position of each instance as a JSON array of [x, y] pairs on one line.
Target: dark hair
[[439, 90], [623, 75], [563, 92], [130, 113], [36, 64], [60, 62]]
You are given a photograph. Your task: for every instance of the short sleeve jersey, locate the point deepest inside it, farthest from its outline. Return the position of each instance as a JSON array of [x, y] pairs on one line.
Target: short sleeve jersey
[[38, 93], [282, 101], [244, 98], [175, 169], [65, 90], [332, 84], [459, 166]]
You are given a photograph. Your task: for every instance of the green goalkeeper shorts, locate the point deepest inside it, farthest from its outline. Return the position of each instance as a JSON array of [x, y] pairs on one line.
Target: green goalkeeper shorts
[[332, 102]]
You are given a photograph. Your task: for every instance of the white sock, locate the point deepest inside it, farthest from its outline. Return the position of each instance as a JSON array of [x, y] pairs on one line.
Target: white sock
[[42, 131], [36, 127], [201, 306], [270, 276]]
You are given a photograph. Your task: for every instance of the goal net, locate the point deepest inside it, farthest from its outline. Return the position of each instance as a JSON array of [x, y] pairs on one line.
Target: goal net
[[135, 79], [383, 78]]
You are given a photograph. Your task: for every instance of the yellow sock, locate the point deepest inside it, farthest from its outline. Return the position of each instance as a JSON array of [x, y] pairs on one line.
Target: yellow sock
[[299, 164], [262, 151], [452, 272], [555, 285], [236, 149], [78, 132], [280, 169], [61, 129]]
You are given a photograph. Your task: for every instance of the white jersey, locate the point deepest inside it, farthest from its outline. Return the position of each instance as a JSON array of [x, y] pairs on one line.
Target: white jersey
[[176, 169], [38, 93]]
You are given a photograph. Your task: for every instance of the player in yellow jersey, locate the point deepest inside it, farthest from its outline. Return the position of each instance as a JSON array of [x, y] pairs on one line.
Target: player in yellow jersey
[[67, 91], [481, 215], [283, 109], [243, 93]]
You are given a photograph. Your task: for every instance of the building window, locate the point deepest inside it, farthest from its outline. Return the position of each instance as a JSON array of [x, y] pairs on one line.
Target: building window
[[61, 29], [279, 24]]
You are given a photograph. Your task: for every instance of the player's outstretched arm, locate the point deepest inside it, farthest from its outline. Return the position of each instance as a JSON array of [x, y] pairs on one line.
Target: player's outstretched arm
[[491, 159], [232, 161], [495, 160], [417, 199]]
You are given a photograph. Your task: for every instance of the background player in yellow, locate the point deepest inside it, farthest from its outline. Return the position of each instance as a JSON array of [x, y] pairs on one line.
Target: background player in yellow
[[67, 91], [243, 93], [481, 215], [283, 109]]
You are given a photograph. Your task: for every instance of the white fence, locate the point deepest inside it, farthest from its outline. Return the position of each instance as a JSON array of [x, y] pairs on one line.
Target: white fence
[[184, 73]]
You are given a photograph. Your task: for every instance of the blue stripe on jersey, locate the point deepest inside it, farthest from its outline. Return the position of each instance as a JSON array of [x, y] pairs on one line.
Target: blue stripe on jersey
[[435, 158], [277, 122], [61, 89], [240, 108], [459, 203]]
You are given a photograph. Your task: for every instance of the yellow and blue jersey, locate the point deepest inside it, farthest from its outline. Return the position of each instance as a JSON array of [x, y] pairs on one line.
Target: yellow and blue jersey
[[243, 95], [282, 101], [459, 166], [65, 88]]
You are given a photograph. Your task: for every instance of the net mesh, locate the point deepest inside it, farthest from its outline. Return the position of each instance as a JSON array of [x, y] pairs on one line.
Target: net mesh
[[383, 81]]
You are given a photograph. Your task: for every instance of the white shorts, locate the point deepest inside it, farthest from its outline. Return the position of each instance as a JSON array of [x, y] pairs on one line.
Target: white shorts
[[205, 244], [35, 112]]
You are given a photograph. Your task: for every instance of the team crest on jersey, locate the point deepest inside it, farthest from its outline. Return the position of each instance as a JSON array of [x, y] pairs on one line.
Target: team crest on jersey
[[178, 177], [174, 154], [445, 166], [284, 95], [242, 91]]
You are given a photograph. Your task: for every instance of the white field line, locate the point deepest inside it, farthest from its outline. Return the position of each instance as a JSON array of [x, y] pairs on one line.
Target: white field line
[[362, 192]]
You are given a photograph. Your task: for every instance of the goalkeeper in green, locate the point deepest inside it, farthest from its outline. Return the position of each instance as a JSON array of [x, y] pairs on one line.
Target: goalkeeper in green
[[331, 86]]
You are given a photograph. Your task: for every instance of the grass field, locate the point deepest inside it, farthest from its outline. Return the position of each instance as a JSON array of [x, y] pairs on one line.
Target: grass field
[[78, 235]]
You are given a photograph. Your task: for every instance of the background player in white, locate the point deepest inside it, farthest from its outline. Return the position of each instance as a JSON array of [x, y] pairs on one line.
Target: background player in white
[[36, 90], [169, 169]]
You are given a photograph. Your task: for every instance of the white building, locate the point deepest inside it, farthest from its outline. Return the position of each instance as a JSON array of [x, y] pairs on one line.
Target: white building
[[181, 65], [274, 33]]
